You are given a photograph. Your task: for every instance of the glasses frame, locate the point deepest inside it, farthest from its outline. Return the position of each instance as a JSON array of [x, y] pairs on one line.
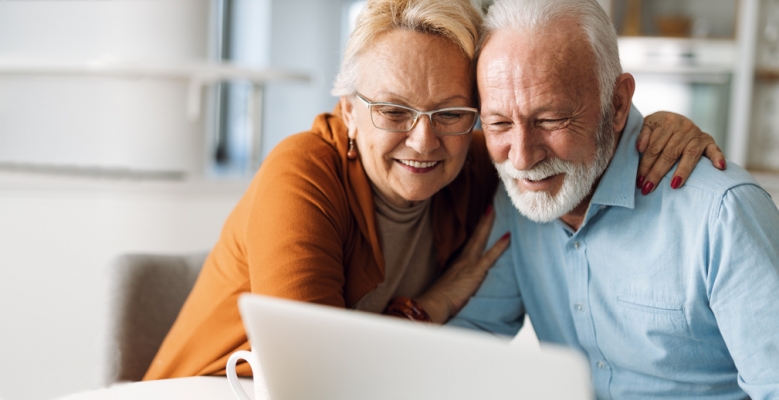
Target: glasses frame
[[417, 113]]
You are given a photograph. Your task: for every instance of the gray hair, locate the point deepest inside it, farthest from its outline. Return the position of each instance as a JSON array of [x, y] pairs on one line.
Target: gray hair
[[534, 15], [456, 20]]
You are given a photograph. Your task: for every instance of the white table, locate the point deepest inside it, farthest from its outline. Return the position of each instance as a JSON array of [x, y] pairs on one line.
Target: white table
[[193, 388]]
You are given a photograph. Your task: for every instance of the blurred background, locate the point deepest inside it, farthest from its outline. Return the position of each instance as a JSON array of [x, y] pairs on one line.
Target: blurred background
[[135, 126]]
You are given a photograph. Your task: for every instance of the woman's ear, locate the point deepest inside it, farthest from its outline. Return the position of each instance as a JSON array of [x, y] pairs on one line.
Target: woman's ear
[[347, 114]]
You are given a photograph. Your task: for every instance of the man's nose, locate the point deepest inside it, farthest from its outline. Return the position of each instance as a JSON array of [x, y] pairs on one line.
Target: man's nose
[[421, 137], [526, 149]]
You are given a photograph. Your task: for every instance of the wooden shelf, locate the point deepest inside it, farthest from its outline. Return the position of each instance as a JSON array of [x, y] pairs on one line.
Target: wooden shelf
[[767, 75]]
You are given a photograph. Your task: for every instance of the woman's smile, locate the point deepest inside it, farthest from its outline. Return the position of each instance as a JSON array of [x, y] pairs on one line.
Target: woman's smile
[[418, 166]]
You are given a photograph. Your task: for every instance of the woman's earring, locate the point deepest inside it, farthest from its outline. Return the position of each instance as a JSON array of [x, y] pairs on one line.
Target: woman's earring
[[352, 152]]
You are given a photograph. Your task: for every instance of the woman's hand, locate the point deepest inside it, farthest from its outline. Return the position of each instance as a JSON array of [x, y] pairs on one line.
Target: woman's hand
[[453, 289], [665, 138]]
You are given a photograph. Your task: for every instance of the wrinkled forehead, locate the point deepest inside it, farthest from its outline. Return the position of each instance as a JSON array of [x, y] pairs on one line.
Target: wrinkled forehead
[[414, 47], [554, 47], [524, 64], [415, 65]]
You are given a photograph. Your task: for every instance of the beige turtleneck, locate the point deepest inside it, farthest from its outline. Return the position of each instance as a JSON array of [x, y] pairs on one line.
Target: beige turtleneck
[[406, 236]]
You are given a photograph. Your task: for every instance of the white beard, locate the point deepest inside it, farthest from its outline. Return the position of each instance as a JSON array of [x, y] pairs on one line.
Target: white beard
[[578, 182]]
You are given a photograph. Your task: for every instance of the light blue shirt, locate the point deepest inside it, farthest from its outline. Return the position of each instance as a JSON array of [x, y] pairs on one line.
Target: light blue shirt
[[670, 295]]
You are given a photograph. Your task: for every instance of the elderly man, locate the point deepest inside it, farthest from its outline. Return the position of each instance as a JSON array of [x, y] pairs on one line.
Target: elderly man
[[672, 295]]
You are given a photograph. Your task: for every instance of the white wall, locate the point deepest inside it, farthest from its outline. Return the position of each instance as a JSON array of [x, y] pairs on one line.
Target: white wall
[[301, 36], [57, 236], [96, 122], [305, 36]]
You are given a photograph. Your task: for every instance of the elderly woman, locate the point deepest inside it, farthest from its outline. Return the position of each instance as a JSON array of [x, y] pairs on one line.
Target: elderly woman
[[373, 207]]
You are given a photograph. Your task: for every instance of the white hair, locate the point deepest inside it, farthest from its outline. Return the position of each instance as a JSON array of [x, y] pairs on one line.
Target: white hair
[[456, 20], [535, 15]]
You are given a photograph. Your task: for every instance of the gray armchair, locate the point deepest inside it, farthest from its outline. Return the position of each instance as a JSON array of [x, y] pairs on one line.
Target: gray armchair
[[146, 294]]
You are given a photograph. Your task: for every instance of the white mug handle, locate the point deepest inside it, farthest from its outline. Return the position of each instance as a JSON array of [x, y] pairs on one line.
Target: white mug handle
[[232, 376]]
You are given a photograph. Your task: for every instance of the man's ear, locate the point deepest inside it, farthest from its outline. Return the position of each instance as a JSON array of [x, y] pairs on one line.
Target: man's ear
[[347, 114], [621, 100]]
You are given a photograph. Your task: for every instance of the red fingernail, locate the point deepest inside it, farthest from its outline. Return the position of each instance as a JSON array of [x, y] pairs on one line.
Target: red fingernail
[[676, 182], [505, 236], [638, 146], [647, 188], [488, 211], [722, 164], [640, 181]]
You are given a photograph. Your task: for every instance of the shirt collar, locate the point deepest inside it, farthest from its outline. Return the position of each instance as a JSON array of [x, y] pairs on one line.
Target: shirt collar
[[617, 187]]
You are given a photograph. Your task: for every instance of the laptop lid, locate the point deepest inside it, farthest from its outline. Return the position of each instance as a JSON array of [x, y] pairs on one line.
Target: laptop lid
[[309, 351]]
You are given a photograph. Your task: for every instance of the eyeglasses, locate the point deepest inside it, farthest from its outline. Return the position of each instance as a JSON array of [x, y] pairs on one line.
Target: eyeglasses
[[397, 118]]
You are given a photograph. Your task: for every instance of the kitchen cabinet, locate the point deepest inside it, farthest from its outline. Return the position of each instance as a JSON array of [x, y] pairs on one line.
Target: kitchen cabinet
[[716, 61]]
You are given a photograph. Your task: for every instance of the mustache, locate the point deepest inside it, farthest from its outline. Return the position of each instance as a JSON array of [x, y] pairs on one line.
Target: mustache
[[542, 170]]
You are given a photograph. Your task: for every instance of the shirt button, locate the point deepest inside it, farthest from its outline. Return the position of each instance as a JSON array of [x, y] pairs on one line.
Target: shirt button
[[576, 244], [579, 307], [601, 365]]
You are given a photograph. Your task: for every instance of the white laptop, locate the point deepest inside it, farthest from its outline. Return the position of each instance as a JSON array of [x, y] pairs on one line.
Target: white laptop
[[309, 351]]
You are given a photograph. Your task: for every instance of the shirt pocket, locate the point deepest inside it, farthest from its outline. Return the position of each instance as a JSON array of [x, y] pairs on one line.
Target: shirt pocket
[[653, 316]]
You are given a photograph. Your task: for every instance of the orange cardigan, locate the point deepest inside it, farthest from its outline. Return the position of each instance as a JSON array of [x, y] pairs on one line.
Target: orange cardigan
[[305, 230]]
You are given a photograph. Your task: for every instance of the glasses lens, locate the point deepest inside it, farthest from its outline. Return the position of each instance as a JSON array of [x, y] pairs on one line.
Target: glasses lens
[[453, 121], [392, 118]]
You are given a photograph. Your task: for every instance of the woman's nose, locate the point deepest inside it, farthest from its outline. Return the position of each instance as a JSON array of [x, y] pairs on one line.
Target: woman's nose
[[421, 137]]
